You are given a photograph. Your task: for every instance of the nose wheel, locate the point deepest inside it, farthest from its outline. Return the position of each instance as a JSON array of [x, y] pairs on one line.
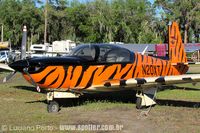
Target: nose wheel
[[53, 107]]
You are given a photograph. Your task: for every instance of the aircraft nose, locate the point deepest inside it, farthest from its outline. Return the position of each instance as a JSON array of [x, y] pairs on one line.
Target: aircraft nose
[[19, 65]]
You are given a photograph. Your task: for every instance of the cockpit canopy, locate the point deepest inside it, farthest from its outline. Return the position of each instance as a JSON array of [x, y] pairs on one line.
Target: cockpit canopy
[[104, 53]]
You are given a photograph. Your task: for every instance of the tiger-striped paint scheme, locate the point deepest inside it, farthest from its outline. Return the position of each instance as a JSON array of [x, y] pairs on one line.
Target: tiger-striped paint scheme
[[176, 48], [82, 76]]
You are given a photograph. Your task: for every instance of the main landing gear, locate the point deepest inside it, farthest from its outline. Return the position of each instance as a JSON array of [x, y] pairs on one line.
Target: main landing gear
[[53, 105], [146, 98]]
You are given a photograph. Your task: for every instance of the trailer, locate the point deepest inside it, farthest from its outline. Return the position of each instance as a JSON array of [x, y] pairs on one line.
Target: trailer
[[48, 50], [64, 46]]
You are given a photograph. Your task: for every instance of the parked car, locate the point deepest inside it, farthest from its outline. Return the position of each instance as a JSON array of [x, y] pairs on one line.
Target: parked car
[[6, 56]]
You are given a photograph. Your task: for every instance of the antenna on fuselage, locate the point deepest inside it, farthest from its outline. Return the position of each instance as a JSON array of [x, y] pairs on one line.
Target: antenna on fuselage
[[143, 52]]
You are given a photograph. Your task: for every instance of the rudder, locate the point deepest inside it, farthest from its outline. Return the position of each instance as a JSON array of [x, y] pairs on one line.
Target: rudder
[[176, 49]]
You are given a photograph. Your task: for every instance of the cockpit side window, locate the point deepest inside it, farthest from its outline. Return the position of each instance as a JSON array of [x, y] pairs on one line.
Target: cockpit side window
[[87, 52], [102, 51], [118, 56]]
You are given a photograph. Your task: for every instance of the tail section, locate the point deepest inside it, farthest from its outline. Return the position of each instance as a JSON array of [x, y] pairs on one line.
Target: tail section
[[176, 48]]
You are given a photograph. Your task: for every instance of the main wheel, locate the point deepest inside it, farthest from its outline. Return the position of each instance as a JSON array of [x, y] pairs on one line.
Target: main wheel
[[139, 103], [53, 107]]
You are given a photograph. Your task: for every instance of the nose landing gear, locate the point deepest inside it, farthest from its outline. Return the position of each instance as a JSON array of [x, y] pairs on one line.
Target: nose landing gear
[[53, 105]]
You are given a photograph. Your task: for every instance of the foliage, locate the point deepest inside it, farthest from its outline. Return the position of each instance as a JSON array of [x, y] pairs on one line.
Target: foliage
[[95, 21], [186, 12]]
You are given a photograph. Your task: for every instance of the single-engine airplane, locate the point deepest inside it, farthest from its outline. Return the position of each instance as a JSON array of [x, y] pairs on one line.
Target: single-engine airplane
[[107, 67]]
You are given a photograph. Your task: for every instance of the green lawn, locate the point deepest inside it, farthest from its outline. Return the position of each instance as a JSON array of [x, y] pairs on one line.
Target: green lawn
[[181, 92], [22, 105]]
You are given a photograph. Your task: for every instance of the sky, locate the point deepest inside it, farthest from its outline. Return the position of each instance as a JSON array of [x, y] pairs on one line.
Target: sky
[[152, 1]]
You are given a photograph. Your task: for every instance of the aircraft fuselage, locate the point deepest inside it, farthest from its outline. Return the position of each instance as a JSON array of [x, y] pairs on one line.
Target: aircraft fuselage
[[81, 75]]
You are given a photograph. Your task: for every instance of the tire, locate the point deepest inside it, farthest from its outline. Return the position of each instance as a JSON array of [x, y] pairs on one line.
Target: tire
[[139, 103], [53, 107]]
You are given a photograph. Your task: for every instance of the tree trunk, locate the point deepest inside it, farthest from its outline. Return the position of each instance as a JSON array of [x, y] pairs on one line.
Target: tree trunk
[[45, 22], [31, 41], [186, 34], [2, 32], [28, 44]]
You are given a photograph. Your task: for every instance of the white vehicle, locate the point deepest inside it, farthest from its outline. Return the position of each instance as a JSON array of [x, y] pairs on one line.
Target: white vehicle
[[40, 50], [47, 50], [64, 46], [4, 57]]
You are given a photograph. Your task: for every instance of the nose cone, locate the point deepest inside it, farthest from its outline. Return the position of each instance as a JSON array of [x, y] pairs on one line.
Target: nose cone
[[19, 65]]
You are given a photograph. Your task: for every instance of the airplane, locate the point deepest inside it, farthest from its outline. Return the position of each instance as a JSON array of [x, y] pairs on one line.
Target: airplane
[[107, 67]]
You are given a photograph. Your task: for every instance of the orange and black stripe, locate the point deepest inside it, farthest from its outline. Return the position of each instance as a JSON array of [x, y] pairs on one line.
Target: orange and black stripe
[[82, 77]]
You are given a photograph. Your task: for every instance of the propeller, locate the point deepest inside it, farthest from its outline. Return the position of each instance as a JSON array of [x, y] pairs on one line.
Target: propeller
[[23, 54], [22, 64]]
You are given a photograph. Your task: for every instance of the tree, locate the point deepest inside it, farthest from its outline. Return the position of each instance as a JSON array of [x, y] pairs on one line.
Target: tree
[[14, 14], [95, 21], [187, 12], [78, 21]]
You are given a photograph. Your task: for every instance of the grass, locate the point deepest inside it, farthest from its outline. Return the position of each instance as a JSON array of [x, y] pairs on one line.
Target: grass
[[181, 92], [194, 69], [179, 95], [22, 105], [186, 91]]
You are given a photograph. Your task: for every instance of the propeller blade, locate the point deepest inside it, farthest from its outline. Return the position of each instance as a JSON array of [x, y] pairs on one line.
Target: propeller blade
[[26, 72], [9, 76], [23, 55], [23, 45], [33, 82]]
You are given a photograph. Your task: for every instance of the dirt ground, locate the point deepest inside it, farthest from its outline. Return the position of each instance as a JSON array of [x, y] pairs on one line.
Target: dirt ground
[[167, 119], [22, 106]]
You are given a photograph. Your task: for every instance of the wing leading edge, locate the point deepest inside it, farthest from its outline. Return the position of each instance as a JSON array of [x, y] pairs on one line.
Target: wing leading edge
[[6, 67]]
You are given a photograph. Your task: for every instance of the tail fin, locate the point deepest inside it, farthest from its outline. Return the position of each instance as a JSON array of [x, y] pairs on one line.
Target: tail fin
[[176, 48]]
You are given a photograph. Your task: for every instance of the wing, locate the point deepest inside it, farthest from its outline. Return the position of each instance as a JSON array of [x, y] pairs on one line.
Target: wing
[[138, 83], [6, 67]]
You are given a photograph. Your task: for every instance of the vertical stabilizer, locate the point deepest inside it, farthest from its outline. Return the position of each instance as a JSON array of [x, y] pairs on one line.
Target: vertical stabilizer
[[176, 48]]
